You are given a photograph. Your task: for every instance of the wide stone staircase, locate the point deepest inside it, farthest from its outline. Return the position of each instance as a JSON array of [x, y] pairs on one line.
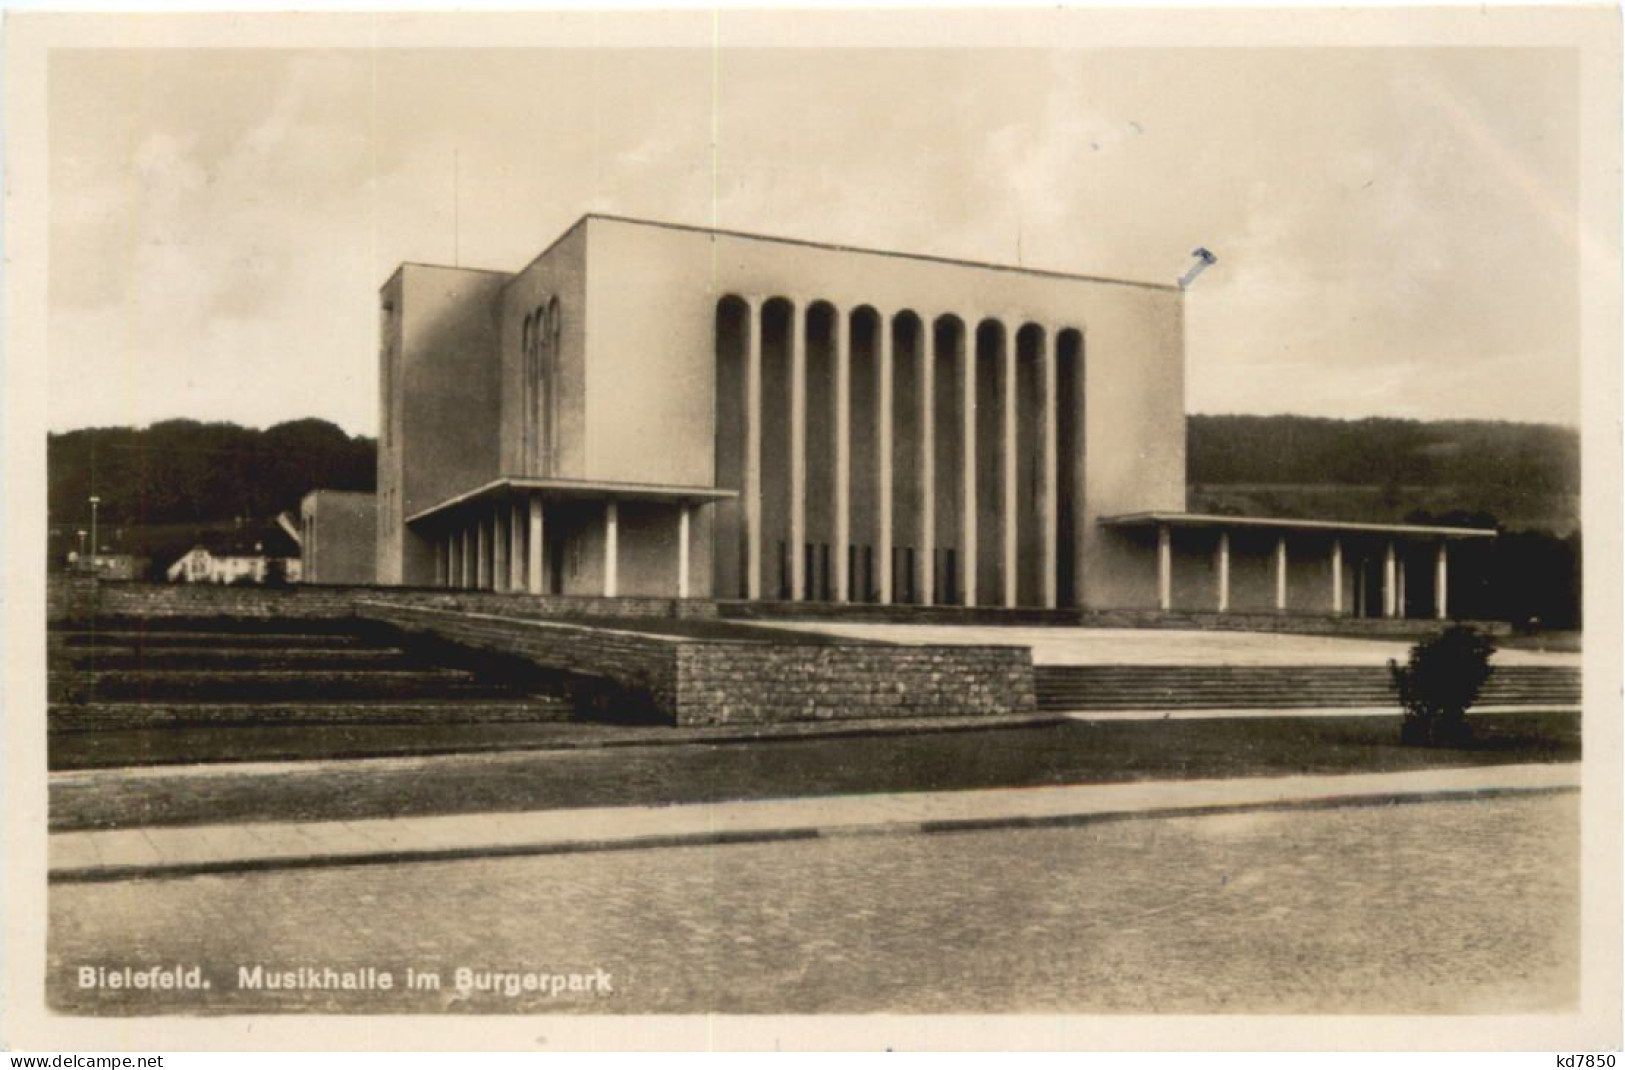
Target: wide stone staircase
[[150, 686], [1082, 688]]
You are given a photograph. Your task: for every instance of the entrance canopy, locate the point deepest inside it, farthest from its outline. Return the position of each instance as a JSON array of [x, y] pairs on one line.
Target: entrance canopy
[[493, 537], [510, 488]]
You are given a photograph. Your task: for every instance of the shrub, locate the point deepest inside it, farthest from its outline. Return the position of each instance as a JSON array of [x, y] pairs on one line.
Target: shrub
[[1440, 680]]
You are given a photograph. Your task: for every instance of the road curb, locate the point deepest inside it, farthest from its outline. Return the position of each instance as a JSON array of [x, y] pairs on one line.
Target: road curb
[[93, 874]]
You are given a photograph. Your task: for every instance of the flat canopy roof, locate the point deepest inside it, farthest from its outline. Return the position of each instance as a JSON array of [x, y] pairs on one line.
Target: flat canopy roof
[[556, 488], [1216, 522]]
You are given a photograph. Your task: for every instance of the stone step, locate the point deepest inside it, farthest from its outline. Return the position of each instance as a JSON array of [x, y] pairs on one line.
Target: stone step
[[265, 625], [106, 659], [1088, 687], [274, 685], [124, 716], [220, 747], [238, 639], [1280, 671]]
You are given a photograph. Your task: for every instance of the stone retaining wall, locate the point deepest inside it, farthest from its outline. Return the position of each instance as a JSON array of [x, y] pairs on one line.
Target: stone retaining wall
[[732, 681], [755, 683], [641, 668]]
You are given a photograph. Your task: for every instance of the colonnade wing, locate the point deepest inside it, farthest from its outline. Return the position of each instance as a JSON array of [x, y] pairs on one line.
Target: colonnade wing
[[1349, 554]]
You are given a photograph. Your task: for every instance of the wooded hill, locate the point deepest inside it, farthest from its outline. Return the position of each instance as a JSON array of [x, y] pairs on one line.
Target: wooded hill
[[186, 472], [1523, 476]]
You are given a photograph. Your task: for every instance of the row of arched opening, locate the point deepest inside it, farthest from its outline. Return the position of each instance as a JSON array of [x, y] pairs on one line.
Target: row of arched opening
[[961, 476]]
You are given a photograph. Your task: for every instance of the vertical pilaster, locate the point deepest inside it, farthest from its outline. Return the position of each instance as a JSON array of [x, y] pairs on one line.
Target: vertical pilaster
[[927, 422], [1007, 458], [533, 546], [1441, 582], [798, 450], [753, 450], [1223, 569], [1165, 568], [1337, 577], [1049, 469], [967, 538], [1280, 574], [612, 554], [883, 459], [440, 562], [842, 423]]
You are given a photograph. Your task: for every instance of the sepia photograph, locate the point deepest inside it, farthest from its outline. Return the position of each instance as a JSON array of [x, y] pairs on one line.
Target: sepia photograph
[[921, 522]]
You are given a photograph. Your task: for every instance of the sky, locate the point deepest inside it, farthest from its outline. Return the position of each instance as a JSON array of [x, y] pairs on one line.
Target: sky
[[1395, 227]]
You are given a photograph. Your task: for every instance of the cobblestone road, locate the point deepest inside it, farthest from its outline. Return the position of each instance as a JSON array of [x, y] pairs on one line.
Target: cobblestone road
[[1433, 908]]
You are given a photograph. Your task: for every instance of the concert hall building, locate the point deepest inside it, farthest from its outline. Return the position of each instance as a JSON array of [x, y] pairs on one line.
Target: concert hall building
[[662, 410]]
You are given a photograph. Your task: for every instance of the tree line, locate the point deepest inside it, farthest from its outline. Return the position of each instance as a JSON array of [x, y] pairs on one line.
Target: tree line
[[186, 471]]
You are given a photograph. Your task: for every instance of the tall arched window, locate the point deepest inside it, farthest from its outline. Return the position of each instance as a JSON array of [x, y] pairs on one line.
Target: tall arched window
[[539, 370], [548, 374], [527, 387]]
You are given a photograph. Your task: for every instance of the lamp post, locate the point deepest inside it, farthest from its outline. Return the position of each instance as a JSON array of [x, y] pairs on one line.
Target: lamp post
[[95, 502]]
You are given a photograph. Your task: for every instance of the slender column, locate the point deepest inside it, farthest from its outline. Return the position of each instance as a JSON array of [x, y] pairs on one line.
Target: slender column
[[682, 549], [612, 554], [1399, 588], [516, 543], [1337, 577], [1007, 529], [1224, 571], [1388, 576], [482, 562], [1441, 582], [533, 546], [967, 453], [1280, 574], [753, 451], [1049, 494], [499, 549], [842, 423], [798, 450], [466, 574], [883, 460], [926, 381], [440, 562], [1165, 568]]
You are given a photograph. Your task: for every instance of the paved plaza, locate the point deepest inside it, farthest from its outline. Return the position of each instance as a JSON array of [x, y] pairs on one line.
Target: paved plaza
[[1440, 907], [1160, 646]]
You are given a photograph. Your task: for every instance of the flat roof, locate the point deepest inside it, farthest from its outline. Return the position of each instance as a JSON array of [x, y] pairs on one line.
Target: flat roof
[[552, 487], [1217, 521], [986, 265]]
